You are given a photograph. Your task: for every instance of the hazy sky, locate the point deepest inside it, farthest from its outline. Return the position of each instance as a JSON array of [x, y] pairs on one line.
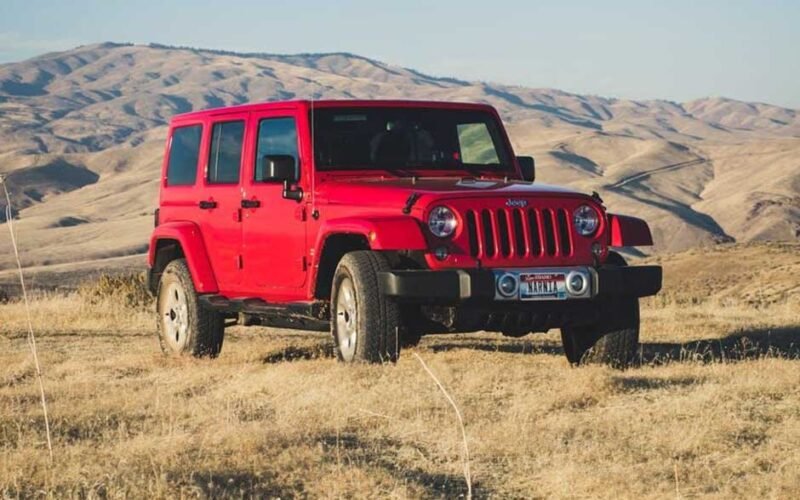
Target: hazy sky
[[676, 50]]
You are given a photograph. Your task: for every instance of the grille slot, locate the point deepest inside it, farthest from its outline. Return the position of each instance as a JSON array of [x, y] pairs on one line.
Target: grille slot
[[489, 248], [503, 233], [563, 232], [549, 232], [472, 233], [535, 234], [520, 244]]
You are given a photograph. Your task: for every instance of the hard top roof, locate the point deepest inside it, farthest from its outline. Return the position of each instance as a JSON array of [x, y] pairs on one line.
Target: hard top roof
[[330, 103]]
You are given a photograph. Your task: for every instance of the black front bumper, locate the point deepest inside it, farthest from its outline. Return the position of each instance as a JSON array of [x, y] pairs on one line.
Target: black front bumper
[[479, 284]]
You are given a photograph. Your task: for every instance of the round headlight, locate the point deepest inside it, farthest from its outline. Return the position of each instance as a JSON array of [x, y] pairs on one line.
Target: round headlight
[[585, 220], [442, 222]]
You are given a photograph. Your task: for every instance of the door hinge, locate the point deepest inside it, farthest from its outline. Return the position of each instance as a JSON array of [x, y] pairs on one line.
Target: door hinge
[[239, 262], [305, 263]]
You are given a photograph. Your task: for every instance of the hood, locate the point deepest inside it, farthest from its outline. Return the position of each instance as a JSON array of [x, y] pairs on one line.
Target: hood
[[377, 191]]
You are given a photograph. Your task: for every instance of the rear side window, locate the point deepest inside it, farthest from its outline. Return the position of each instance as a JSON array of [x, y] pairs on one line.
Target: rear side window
[[226, 152], [183, 154], [276, 136]]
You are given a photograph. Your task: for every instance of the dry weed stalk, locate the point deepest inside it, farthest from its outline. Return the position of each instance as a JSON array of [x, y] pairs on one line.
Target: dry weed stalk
[[31, 337], [467, 474]]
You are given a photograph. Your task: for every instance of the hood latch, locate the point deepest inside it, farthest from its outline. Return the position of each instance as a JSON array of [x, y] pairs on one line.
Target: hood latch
[[410, 203]]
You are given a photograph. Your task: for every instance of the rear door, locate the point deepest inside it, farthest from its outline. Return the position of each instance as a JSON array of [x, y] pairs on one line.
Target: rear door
[[219, 205], [182, 161], [274, 228]]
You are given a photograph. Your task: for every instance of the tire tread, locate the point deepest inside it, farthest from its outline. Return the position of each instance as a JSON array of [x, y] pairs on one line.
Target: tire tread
[[377, 336]]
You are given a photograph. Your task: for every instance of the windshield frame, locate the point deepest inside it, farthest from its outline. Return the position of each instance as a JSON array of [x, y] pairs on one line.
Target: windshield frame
[[505, 167]]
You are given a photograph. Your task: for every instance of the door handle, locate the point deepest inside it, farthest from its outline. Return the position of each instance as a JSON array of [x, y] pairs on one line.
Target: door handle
[[207, 204], [251, 203]]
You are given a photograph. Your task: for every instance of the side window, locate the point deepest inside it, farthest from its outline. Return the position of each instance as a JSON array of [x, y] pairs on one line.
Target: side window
[[226, 152], [276, 136], [183, 154], [476, 144]]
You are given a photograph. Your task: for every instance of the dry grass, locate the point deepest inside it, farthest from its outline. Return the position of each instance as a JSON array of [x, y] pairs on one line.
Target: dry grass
[[714, 410], [108, 305]]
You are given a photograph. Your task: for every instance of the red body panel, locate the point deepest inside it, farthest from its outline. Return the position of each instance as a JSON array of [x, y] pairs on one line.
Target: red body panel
[[273, 251], [628, 231]]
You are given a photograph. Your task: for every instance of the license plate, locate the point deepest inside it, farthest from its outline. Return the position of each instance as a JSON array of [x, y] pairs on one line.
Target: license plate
[[543, 286]]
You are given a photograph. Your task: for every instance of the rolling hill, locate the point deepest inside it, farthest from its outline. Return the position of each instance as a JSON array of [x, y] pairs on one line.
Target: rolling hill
[[82, 132]]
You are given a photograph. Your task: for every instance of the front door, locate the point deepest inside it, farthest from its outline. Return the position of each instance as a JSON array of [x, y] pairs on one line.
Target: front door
[[218, 207], [274, 228]]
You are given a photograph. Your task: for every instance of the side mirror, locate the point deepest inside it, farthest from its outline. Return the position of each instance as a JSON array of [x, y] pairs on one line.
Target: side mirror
[[278, 168], [527, 168], [281, 168]]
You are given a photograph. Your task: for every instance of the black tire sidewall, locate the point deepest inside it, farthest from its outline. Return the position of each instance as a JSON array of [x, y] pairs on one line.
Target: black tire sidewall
[[205, 329]]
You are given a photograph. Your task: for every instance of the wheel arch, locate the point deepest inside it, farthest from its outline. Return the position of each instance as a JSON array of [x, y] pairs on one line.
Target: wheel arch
[[175, 240], [340, 236], [334, 247]]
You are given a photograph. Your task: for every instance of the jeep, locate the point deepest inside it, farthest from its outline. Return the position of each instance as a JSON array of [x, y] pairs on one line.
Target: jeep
[[381, 222]]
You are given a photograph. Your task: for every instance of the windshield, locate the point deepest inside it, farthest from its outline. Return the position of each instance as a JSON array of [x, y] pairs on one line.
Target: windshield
[[408, 138]]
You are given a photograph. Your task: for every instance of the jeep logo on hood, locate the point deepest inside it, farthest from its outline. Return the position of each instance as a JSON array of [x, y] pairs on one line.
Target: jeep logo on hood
[[516, 203]]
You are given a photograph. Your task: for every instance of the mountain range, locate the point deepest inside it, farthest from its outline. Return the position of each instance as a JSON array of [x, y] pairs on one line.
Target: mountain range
[[82, 134]]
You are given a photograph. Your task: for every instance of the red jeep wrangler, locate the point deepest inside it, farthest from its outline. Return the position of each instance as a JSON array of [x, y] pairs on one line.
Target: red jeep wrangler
[[382, 221]]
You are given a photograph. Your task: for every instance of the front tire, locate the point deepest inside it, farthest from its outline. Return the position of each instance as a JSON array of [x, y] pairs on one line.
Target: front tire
[[364, 323], [614, 339], [184, 327]]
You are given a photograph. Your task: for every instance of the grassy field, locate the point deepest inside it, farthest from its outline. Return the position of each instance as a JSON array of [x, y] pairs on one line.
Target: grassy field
[[713, 409]]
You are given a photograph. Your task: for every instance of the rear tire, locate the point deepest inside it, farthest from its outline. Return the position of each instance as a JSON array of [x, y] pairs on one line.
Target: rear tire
[[614, 339], [364, 323], [184, 327]]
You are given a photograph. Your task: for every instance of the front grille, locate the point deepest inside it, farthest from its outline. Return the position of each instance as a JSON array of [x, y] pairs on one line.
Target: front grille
[[505, 233]]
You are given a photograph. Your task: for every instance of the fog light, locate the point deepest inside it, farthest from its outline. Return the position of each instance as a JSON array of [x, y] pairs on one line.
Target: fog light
[[507, 285], [576, 283], [441, 253]]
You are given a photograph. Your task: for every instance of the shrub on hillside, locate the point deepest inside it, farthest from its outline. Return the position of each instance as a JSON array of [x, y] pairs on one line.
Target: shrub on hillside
[[127, 290]]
